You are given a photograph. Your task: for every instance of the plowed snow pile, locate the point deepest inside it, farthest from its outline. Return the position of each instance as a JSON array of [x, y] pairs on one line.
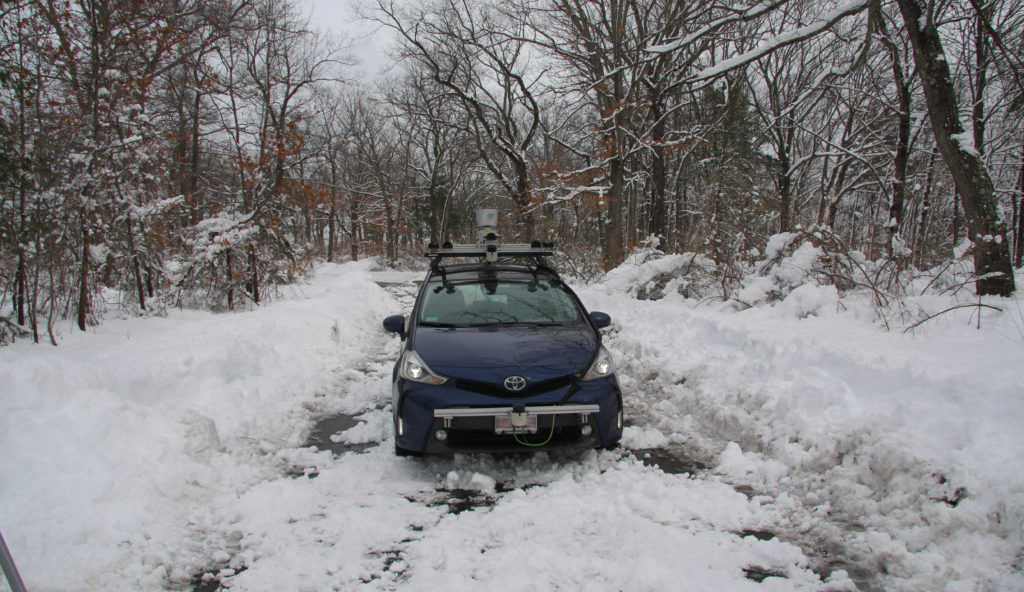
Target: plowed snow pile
[[912, 439]]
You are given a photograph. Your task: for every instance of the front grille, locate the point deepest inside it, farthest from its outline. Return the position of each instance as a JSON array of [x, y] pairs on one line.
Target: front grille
[[532, 388], [487, 440], [476, 434]]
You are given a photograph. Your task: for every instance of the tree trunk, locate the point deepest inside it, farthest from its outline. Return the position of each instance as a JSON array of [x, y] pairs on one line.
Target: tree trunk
[[331, 215], [522, 203], [136, 268], [981, 77], [657, 224], [956, 218], [353, 229], [254, 278], [20, 287], [437, 196], [21, 275], [229, 270], [785, 179], [902, 157], [1020, 231], [823, 202], [83, 276], [614, 253], [981, 208], [193, 172], [1018, 217], [926, 206]]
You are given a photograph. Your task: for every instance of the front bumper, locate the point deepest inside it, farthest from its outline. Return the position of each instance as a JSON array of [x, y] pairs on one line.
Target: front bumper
[[578, 416]]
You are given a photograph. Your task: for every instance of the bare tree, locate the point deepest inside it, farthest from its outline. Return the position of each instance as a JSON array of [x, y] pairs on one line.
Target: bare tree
[[439, 138], [270, 67], [480, 58], [108, 56], [987, 229]]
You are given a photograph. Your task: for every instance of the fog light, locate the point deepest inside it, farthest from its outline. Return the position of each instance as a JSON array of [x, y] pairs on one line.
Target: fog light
[[441, 435], [586, 430]]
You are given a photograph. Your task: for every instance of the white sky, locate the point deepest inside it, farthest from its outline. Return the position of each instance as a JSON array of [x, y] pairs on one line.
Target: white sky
[[339, 18]]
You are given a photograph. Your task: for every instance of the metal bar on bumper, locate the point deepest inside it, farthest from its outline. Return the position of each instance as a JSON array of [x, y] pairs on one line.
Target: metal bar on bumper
[[495, 411]]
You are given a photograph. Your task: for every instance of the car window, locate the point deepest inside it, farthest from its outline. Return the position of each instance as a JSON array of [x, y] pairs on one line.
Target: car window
[[497, 302]]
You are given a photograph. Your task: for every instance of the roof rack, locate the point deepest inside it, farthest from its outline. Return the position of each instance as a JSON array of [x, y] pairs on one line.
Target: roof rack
[[491, 249], [489, 246]]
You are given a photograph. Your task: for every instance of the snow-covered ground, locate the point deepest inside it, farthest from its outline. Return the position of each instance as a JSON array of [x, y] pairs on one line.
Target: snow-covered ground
[[148, 451]]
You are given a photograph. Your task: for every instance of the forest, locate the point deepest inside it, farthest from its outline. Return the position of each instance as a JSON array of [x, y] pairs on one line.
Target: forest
[[201, 153]]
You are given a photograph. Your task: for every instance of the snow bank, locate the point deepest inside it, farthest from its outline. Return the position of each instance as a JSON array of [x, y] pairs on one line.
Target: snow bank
[[780, 273], [651, 275], [909, 441], [111, 439]]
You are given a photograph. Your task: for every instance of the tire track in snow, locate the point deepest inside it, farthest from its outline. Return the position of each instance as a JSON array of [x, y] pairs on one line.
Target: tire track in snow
[[365, 519], [690, 455]]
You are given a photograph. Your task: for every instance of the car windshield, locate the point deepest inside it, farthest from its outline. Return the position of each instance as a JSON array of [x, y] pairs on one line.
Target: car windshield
[[497, 302]]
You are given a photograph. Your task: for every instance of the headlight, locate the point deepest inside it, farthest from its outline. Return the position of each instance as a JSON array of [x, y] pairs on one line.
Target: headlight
[[601, 367], [415, 369]]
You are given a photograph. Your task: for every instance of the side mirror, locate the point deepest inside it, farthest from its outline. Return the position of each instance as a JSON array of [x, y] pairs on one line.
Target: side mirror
[[395, 324], [600, 319]]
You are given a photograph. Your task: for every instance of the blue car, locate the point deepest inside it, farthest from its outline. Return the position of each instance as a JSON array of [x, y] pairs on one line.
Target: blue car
[[500, 355]]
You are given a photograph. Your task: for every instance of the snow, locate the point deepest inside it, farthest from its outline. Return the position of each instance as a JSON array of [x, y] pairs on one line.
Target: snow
[[914, 437], [825, 23], [147, 451], [966, 141], [963, 248]]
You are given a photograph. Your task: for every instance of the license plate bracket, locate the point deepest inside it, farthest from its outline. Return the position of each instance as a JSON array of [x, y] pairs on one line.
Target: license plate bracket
[[515, 423]]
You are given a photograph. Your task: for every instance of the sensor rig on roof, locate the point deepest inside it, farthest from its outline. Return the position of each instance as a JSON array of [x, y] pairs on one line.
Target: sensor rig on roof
[[489, 245]]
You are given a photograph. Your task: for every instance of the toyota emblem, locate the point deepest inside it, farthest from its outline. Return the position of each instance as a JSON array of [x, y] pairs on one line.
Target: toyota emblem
[[515, 383]]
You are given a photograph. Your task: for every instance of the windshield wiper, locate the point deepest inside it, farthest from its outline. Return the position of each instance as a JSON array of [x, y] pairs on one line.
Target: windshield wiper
[[527, 323]]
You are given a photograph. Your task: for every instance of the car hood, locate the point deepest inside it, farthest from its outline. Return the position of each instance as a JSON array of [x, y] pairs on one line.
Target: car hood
[[491, 354]]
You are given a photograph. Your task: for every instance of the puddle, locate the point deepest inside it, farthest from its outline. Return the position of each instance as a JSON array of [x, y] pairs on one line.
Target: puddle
[[392, 562], [300, 471], [761, 535], [747, 490], [334, 424], [862, 578], [210, 581], [825, 554], [673, 462], [760, 574], [459, 500], [825, 561], [211, 585]]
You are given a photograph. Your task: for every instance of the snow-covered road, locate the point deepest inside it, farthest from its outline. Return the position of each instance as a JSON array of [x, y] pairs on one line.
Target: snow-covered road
[[839, 457]]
